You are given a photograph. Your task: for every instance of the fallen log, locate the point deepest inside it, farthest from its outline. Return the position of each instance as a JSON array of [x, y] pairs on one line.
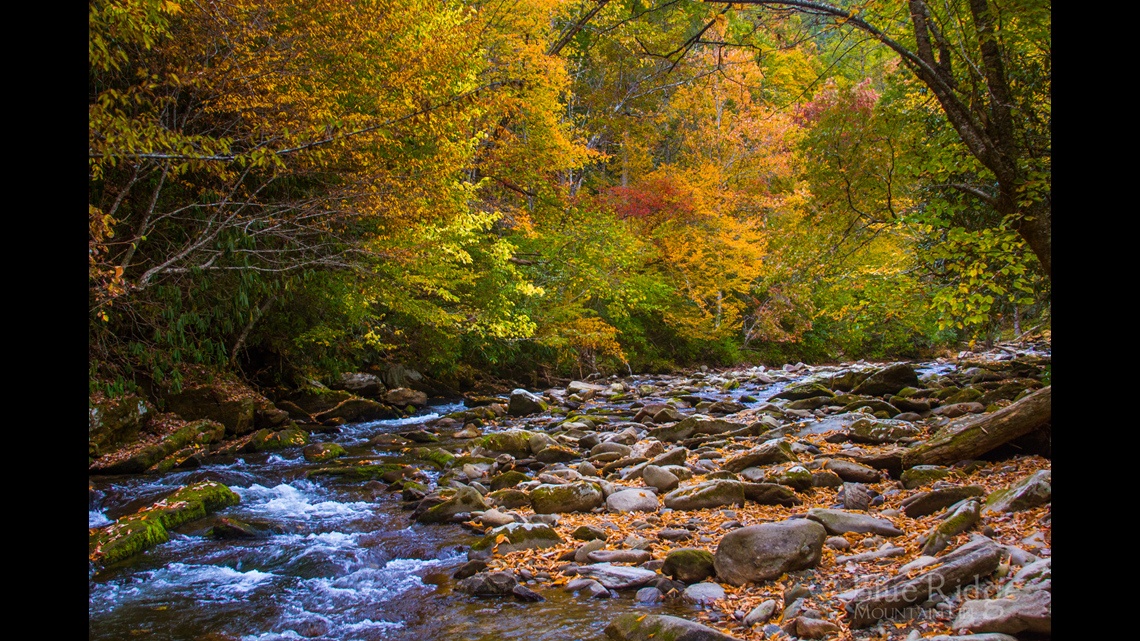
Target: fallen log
[[972, 437]]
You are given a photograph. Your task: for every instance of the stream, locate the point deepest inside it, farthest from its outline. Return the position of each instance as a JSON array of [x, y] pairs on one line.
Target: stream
[[344, 562]]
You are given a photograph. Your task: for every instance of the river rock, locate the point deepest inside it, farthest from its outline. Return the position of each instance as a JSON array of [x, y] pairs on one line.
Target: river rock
[[926, 503], [766, 551], [890, 380], [321, 452], [488, 584], [690, 565], [513, 442], [1021, 612], [879, 431], [961, 519], [512, 537], [841, 522], [773, 451], [523, 403], [633, 626], [580, 496], [703, 593], [466, 499], [1028, 493], [713, 493], [618, 556], [632, 500], [617, 577], [852, 471], [660, 478]]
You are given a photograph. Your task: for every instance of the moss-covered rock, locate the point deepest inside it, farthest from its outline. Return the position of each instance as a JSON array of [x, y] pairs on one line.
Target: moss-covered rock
[[882, 431], [357, 409], [513, 442], [691, 565], [508, 479], [199, 432], [118, 420], [516, 536], [321, 452], [150, 526], [509, 498], [580, 496], [920, 475], [466, 499], [439, 457]]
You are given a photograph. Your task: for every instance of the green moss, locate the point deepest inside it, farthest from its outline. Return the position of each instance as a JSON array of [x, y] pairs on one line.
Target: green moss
[[363, 471]]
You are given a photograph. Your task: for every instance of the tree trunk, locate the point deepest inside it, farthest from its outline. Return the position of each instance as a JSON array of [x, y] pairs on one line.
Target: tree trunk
[[973, 437]]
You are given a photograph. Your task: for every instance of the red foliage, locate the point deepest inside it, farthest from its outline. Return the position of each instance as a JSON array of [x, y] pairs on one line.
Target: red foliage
[[655, 201]]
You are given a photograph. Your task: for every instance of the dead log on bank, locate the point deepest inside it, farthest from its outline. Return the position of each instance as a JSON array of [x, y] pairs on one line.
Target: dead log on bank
[[973, 437]]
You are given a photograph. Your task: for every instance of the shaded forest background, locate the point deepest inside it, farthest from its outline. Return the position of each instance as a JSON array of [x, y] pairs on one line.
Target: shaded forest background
[[296, 188]]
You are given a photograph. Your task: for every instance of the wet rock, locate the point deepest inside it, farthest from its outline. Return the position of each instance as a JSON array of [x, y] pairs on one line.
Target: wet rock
[[515, 536], [488, 584], [765, 551], [465, 500], [320, 452], [589, 588], [632, 626], [690, 565]]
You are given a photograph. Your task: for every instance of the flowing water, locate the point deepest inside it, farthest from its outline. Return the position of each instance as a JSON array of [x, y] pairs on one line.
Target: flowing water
[[345, 562]]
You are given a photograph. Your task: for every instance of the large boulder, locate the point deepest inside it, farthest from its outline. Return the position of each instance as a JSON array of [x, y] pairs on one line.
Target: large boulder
[[523, 403], [150, 526], [890, 380], [513, 442], [768, 550]]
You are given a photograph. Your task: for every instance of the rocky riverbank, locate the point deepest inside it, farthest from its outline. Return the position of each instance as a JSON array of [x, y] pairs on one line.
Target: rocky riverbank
[[779, 501]]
